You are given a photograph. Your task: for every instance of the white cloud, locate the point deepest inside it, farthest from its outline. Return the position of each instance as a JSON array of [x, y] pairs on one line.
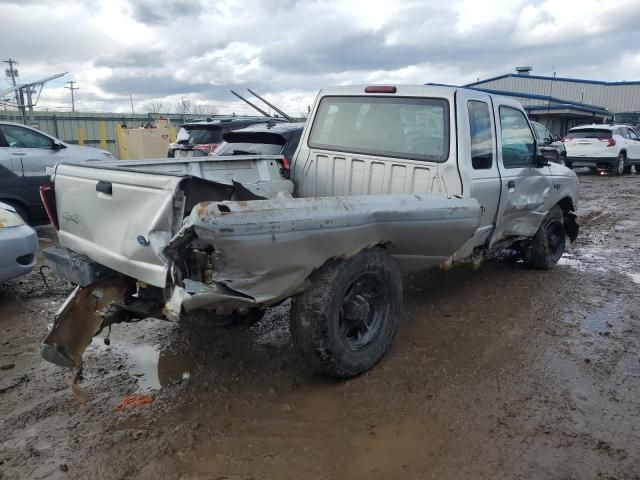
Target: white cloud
[[288, 49]]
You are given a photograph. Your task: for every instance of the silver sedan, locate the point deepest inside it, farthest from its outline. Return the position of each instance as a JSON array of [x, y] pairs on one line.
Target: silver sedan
[[18, 244]]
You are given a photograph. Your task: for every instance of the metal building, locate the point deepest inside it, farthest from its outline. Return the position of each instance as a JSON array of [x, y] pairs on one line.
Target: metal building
[[561, 103]]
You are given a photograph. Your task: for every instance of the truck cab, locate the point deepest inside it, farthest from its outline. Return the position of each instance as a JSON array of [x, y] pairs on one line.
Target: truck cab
[[385, 179]]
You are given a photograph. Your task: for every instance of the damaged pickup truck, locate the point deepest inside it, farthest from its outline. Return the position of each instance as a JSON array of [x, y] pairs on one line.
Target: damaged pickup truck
[[385, 180]]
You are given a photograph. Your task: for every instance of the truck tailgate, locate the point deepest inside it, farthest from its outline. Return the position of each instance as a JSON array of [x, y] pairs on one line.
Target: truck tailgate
[[118, 218]]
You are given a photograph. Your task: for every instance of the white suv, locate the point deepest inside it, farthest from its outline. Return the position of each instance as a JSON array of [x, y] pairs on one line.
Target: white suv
[[611, 147]]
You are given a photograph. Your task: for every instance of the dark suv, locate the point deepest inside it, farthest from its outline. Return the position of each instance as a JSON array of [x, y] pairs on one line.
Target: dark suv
[[551, 147], [264, 139], [201, 138]]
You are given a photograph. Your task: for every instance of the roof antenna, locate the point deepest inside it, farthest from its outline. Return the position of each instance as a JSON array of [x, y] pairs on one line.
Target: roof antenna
[[282, 114], [253, 105]]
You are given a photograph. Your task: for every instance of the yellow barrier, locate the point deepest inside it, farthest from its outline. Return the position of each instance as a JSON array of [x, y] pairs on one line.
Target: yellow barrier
[[102, 133], [80, 136], [172, 134], [123, 153]]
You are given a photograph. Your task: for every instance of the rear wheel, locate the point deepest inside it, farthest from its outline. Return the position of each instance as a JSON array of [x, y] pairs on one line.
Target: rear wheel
[[548, 244], [618, 167], [561, 160], [345, 322]]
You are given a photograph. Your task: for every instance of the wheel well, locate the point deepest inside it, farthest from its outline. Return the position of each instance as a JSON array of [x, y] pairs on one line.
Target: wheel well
[[566, 204], [623, 151]]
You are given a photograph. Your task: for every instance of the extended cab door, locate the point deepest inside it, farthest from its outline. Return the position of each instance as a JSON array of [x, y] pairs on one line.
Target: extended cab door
[[477, 157], [525, 188]]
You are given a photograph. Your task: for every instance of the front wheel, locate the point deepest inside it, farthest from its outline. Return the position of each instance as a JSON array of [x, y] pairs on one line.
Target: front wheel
[[618, 167], [344, 323], [548, 244]]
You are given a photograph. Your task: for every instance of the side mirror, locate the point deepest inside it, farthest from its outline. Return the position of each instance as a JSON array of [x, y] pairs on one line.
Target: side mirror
[[538, 159], [57, 145], [556, 138]]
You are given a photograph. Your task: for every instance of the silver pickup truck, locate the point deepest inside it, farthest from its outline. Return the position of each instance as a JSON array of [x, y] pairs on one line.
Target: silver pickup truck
[[385, 180]]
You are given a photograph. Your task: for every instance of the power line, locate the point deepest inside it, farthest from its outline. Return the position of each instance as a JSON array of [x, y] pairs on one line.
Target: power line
[[72, 88]]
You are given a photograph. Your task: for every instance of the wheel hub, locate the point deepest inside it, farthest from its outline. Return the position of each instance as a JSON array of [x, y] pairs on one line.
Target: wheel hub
[[362, 312]]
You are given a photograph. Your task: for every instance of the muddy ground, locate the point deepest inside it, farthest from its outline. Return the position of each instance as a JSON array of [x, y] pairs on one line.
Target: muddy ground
[[497, 373]]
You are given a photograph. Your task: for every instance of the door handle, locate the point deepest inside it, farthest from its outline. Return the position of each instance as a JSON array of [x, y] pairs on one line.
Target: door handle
[[18, 154], [104, 187], [511, 184]]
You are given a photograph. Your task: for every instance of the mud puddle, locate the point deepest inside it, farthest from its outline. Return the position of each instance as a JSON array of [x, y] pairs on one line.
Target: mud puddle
[[149, 357]]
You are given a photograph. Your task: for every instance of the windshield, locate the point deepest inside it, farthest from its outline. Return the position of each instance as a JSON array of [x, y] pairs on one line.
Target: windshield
[[248, 149], [194, 135], [415, 128], [598, 133]]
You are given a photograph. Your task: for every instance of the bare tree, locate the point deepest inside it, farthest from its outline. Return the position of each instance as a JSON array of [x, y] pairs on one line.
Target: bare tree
[[184, 106], [155, 106], [204, 109]]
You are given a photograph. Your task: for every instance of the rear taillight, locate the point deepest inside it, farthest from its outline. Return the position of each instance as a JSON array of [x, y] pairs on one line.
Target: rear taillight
[[610, 141], [285, 171], [48, 197]]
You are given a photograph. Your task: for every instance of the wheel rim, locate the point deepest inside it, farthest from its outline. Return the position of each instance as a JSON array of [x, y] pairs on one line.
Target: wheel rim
[[363, 310], [620, 164], [561, 160], [556, 239]]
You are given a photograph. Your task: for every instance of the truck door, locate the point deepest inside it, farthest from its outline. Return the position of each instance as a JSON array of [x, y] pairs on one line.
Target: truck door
[[478, 157], [526, 188]]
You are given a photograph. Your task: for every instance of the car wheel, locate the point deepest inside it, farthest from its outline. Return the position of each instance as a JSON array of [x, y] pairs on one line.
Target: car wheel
[[19, 208], [618, 167], [345, 322], [548, 244]]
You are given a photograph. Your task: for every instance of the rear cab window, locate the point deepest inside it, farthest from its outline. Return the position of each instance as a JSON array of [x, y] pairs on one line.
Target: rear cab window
[[398, 127], [196, 135]]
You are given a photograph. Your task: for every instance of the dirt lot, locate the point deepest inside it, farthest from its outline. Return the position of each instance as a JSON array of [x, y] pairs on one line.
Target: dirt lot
[[495, 373]]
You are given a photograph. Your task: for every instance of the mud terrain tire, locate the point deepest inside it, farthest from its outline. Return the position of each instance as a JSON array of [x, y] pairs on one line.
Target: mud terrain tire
[[344, 323], [547, 245]]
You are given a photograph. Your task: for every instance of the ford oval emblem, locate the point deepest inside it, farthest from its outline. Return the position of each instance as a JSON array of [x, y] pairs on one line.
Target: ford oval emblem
[[142, 240]]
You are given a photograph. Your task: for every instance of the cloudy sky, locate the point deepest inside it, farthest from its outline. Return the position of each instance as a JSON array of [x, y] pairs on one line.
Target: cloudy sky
[[165, 50]]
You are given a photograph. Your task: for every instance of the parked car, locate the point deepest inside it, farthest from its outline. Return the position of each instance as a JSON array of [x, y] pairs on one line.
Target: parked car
[[199, 139], [631, 119], [263, 139], [18, 244], [385, 179], [551, 145], [607, 147], [25, 153]]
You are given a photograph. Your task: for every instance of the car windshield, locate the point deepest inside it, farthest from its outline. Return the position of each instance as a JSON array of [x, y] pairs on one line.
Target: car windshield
[[598, 133], [414, 128], [249, 149], [195, 135]]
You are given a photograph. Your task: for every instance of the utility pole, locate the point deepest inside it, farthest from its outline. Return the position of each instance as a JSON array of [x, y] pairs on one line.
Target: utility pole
[[72, 88], [12, 73], [131, 99]]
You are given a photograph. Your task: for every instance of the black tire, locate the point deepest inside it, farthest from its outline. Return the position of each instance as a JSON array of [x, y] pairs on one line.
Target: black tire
[[619, 166], [548, 244], [344, 323], [560, 160], [20, 209], [593, 169]]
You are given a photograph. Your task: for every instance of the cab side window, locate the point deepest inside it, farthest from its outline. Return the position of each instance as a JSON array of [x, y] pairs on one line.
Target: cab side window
[[481, 135], [633, 134], [518, 144], [19, 137]]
